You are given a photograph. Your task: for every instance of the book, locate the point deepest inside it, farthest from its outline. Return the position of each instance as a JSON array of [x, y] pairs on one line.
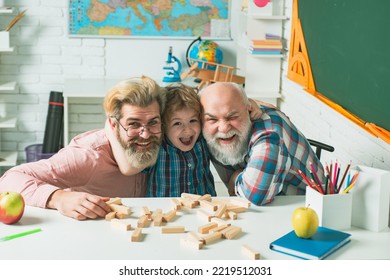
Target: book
[[321, 245], [264, 49], [265, 52], [270, 36], [266, 42], [256, 47]]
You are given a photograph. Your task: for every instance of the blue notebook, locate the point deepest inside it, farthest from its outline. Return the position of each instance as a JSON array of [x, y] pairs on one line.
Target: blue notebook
[[322, 244]]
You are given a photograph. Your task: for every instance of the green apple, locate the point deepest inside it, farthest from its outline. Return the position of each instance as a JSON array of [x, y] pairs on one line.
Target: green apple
[[305, 222], [11, 207]]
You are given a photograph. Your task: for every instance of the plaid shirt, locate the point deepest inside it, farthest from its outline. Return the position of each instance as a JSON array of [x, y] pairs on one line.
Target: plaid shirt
[[176, 171], [277, 149]]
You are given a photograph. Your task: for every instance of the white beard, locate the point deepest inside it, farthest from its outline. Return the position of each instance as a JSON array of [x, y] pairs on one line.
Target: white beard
[[230, 154]]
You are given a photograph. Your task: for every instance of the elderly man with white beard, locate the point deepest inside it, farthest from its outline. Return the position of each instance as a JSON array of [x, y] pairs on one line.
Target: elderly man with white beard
[[80, 178], [255, 159]]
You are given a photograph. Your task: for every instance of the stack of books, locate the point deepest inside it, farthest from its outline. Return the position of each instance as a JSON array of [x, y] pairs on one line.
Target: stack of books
[[269, 46]]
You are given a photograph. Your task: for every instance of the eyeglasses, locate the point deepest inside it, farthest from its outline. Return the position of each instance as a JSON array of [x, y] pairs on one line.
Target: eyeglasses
[[136, 128]]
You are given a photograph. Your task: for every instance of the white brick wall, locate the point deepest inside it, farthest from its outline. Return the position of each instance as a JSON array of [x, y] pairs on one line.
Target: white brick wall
[[44, 56]]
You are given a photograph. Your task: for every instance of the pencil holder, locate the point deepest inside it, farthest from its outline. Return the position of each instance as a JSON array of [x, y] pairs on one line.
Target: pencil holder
[[4, 39], [333, 210], [371, 198]]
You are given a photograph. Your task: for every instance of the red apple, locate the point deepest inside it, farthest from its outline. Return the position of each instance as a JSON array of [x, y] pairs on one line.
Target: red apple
[[305, 222], [11, 207]]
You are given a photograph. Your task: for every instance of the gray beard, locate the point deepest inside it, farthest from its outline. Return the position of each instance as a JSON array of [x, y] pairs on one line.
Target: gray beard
[[231, 154], [137, 159], [141, 160]]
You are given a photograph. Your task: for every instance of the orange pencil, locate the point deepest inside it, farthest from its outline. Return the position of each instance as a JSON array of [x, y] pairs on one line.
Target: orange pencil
[[317, 187], [352, 184], [306, 179]]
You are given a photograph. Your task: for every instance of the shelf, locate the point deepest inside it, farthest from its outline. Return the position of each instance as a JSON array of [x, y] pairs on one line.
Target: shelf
[[254, 16], [8, 158], [266, 55], [8, 122], [7, 10], [9, 86], [10, 49]]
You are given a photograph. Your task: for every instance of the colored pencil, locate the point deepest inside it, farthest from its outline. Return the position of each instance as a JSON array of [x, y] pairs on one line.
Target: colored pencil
[[345, 174], [317, 180]]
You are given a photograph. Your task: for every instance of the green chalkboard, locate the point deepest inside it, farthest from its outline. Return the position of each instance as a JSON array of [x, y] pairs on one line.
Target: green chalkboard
[[348, 44]]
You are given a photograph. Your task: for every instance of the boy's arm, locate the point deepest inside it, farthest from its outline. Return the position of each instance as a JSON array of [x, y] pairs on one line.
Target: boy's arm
[[119, 153], [255, 112]]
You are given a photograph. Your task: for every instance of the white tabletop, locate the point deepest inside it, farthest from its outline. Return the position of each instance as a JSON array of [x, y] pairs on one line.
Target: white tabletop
[[63, 238]]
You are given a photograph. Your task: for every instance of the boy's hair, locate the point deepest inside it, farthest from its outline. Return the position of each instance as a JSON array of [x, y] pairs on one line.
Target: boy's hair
[[178, 97], [138, 91]]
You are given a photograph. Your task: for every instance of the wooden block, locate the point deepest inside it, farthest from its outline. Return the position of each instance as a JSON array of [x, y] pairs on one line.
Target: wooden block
[[204, 215], [110, 216], [212, 237], [243, 202], [231, 215], [122, 209], [236, 209], [146, 212], [172, 229], [191, 243], [205, 197], [176, 204], [252, 254], [122, 215], [231, 232], [136, 236], [206, 228], [208, 205], [191, 196], [158, 220], [219, 201], [219, 228], [188, 203], [156, 213], [115, 200], [220, 211], [194, 236], [169, 215], [219, 221], [120, 224], [143, 221]]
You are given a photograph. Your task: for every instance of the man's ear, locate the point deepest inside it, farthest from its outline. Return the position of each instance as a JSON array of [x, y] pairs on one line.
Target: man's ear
[[111, 122]]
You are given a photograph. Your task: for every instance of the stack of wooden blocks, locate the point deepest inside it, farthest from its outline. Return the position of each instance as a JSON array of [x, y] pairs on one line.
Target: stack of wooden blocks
[[218, 215]]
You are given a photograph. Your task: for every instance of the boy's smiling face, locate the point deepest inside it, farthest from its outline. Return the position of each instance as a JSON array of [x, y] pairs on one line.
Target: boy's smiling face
[[184, 128]]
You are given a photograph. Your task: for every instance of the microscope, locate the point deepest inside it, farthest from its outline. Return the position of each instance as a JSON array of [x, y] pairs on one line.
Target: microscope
[[172, 75]]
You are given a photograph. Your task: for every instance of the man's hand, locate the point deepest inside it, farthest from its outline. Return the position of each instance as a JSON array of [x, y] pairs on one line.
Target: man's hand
[[79, 205], [232, 182]]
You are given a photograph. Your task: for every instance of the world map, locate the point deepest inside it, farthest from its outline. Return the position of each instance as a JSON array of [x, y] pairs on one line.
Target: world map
[[178, 18]]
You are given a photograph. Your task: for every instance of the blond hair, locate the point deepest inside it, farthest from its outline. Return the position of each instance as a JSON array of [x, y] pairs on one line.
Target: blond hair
[[178, 97], [138, 91]]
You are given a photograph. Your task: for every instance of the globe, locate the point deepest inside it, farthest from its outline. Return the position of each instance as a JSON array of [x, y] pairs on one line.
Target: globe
[[206, 50]]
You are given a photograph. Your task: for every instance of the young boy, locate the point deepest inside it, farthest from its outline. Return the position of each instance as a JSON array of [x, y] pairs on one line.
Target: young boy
[[183, 163]]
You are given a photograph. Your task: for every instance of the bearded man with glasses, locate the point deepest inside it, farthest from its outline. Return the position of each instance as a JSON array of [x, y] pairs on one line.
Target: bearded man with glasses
[[80, 178]]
